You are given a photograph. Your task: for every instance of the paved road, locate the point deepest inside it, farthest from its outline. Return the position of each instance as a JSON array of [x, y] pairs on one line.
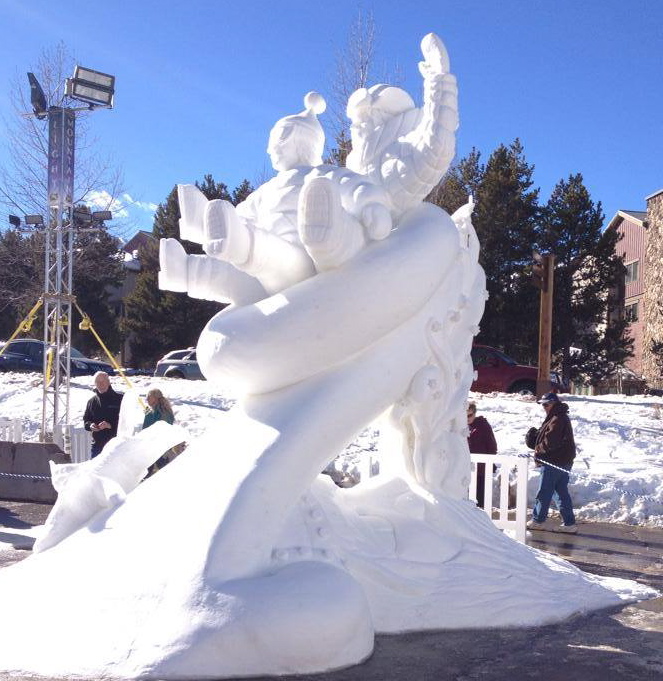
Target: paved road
[[620, 644]]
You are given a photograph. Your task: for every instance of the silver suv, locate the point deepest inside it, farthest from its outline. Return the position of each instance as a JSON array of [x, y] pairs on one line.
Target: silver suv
[[179, 364]]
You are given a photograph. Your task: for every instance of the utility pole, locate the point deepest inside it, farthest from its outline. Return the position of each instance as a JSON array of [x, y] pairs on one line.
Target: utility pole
[[543, 275]]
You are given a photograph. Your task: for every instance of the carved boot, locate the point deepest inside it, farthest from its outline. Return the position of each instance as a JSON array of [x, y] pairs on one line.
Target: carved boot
[[173, 266], [226, 235], [330, 235]]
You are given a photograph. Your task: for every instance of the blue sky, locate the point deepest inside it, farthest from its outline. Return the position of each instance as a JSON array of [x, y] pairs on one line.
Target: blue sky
[[200, 85]]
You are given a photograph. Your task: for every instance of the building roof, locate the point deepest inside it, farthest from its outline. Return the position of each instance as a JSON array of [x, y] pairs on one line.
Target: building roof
[[651, 196], [637, 216], [137, 240]]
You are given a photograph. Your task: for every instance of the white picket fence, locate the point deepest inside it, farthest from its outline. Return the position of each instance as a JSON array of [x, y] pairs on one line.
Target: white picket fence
[[74, 441], [11, 430], [511, 475]]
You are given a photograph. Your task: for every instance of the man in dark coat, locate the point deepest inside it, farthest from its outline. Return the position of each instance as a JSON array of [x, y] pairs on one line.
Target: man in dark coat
[[481, 440], [102, 413], [554, 444]]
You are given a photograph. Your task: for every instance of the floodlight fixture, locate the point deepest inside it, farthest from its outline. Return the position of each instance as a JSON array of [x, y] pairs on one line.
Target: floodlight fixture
[[36, 220], [93, 87], [15, 221], [82, 217], [37, 97]]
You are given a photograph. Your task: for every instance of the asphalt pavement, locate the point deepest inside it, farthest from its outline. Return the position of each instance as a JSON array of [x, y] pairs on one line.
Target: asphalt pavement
[[617, 644]]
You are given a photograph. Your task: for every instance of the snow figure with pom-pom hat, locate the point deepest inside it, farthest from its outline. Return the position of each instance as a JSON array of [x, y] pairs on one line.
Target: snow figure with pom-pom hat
[[298, 140], [277, 236]]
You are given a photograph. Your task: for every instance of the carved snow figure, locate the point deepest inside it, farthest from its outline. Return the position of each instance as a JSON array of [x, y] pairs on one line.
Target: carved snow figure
[[368, 313], [264, 236]]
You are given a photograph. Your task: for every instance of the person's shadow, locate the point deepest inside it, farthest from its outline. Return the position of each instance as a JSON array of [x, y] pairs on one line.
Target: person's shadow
[[9, 519], [18, 541]]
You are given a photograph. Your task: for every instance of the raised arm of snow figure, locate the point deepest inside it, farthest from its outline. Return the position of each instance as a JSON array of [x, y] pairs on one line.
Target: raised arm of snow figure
[[405, 149]]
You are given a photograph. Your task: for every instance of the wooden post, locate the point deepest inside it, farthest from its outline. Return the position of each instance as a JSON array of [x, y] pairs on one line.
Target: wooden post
[[543, 384]]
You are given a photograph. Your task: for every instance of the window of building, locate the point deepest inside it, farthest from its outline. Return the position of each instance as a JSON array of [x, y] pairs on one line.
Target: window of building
[[631, 272], [631, 313]]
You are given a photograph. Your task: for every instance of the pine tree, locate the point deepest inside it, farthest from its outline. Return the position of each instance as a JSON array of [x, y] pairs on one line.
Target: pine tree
[[587, 273], [21, 278], [461, 180], [97, 271], [505, 219], [97, 276], [241, 192], [145, 321]]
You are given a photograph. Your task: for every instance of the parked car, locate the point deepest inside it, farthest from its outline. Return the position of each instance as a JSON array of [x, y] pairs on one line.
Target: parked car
[[27, 354], [179, 364], [131, 371], [498, 372]]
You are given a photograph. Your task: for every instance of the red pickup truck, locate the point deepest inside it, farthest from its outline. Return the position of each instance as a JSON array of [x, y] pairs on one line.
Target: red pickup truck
[[498, 373]]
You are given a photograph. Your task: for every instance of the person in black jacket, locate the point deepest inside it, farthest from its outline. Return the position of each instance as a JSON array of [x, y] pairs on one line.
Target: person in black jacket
[[102, 413], [553, 444]]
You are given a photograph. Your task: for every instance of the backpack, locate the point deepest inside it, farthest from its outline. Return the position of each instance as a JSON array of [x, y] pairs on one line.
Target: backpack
[[530, 437]]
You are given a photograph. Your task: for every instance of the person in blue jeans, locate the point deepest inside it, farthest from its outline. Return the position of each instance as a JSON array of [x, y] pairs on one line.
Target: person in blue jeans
[[553, 443]]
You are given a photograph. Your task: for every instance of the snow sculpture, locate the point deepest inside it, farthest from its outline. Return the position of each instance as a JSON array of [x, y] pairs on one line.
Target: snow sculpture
[[353, 300], [86, 488]]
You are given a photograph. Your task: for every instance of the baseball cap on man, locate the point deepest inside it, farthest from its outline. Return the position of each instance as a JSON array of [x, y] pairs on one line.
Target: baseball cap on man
[[548, 398]]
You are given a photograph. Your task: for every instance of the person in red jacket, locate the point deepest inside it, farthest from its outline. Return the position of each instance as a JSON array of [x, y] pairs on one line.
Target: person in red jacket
[[481, 441]]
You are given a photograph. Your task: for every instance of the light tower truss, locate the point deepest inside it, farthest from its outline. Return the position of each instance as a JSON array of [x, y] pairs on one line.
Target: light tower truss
[[58, 275]]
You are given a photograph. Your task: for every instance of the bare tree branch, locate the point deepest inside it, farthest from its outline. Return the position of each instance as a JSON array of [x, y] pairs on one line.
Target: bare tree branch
[[355, 68]]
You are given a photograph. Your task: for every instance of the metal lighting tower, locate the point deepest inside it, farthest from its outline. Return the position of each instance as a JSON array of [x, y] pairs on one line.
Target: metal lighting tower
[[96, 90]]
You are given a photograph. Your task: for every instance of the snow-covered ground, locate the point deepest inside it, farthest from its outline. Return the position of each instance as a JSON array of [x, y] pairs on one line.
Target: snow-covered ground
[[617, 477]]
